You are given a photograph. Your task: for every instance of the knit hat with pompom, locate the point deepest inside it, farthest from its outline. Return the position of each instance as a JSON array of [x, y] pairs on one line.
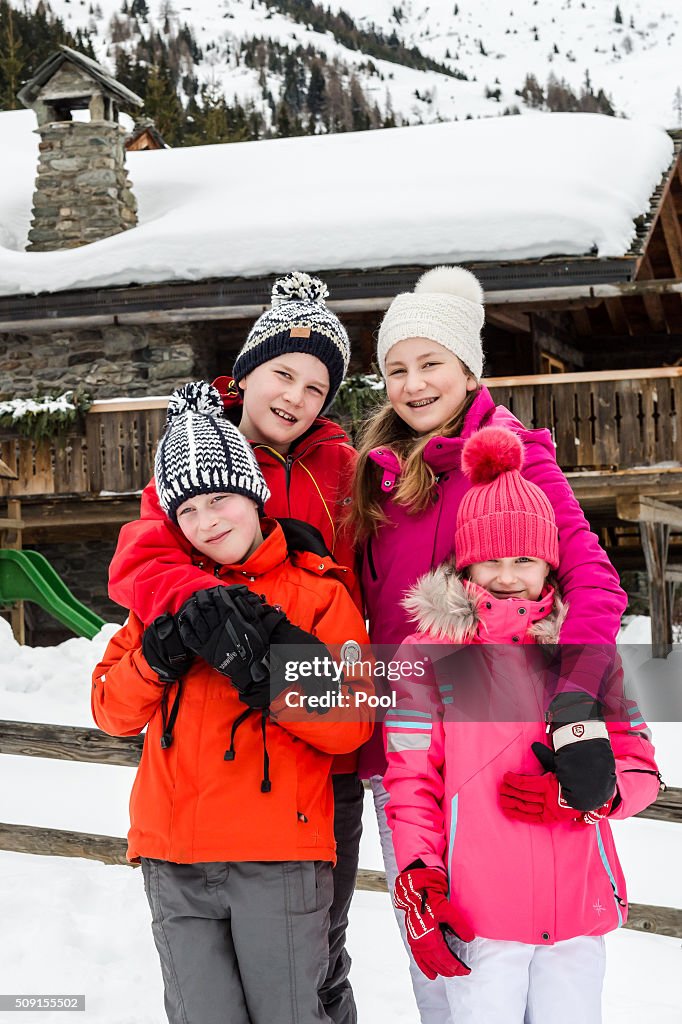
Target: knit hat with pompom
[[446, 306], [297, 321], [502, 515], [201, 452]]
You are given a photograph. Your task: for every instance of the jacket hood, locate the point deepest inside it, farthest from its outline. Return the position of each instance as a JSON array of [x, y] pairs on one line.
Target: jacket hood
[[449, 607], [320, 430]]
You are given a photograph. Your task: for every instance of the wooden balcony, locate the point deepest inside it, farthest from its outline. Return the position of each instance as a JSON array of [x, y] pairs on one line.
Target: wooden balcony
[[608, 427]]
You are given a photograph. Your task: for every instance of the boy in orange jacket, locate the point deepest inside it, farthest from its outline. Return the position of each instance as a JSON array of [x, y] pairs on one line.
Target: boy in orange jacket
[[232, 805]]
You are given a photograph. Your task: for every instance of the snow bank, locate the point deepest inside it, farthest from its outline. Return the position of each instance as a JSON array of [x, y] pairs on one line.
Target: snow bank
[[496, 189]]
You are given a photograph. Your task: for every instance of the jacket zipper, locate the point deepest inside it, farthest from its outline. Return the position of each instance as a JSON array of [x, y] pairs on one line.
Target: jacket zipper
[[370, 560]]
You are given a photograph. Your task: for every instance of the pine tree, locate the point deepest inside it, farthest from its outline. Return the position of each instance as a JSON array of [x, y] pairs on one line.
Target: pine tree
[[316, 90], [12, 53], [162, 104], [618, 17]]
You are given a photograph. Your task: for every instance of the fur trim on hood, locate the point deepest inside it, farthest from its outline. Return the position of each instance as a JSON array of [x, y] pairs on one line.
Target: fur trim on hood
[[441, 603]]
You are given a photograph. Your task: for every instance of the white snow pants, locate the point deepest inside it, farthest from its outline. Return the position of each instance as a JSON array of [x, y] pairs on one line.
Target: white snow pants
[[510, 982], [516, 983], [431, 996]]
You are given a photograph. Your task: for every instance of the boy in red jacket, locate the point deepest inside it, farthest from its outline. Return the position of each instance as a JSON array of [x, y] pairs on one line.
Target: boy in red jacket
[[232, 806]]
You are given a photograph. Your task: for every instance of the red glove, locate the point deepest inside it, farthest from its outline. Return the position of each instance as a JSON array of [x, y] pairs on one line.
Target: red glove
[[538, 799], [430, 919]]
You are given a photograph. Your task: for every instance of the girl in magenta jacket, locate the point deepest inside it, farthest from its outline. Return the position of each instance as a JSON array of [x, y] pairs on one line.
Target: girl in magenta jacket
[[509, 875], [409, 485]]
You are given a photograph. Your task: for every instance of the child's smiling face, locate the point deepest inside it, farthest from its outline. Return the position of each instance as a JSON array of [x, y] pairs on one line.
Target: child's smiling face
[[225, 527], [522, 578], [426, 384], [282, 398]]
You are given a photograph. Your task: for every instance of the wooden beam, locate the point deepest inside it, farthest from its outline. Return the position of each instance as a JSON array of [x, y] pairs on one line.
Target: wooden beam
[[655, 539], [523, 299], [582, 322], [657, 920], [11, 524], [648, 510], [32, 839], [518, 323], [69, 743], [672, 232], [57, 842], [652, 302], [673, 574], [617, 316], [648, 373]]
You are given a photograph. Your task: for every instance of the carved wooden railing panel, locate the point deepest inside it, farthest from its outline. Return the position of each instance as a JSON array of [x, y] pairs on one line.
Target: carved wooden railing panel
[[599, 421]]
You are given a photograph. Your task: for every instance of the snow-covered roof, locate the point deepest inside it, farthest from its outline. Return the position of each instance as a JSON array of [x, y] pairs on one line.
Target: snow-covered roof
[[505, 188]]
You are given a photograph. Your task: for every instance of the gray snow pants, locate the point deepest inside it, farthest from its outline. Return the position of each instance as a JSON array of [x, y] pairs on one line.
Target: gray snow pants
[[241, 943]]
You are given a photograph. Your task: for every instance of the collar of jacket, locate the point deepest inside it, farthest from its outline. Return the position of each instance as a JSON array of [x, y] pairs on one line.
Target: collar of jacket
[[442, 454], [449, 607], [320, 430]]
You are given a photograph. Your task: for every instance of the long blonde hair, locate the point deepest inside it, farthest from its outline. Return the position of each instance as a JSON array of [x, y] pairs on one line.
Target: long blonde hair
[[414, 491]]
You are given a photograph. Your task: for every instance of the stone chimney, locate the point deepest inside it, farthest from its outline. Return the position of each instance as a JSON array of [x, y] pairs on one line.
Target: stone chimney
[[83, 192]]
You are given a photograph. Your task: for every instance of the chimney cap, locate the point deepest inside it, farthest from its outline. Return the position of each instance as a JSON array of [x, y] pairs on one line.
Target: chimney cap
[[30, 92]]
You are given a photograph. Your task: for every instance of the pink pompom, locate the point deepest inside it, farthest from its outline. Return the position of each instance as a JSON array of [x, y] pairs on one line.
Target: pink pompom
[[489, 452]]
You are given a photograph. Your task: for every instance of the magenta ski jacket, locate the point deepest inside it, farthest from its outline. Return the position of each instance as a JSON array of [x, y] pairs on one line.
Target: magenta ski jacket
[[408, 546]]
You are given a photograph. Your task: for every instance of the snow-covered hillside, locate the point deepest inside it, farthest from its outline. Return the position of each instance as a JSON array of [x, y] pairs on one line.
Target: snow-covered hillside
[[631, 50]]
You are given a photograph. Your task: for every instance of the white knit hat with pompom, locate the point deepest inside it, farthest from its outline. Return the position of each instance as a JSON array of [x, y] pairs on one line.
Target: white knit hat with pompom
[[446, 306]]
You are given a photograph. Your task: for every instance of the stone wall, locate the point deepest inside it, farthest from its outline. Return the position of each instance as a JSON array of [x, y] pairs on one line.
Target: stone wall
[[112, 361], [82, 192]]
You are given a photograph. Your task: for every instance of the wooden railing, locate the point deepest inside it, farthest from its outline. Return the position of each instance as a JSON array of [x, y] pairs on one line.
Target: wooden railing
[[62, 742], [609, 420]]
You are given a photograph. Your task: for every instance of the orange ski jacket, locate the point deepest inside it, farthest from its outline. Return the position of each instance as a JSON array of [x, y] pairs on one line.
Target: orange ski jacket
[[188, 803]]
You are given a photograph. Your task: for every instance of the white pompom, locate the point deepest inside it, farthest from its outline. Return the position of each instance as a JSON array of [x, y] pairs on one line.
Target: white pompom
[[451, 281], [299, 287], [199, 397]]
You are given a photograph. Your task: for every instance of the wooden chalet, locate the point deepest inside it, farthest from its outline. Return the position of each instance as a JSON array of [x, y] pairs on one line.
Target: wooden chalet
[[590, 347]]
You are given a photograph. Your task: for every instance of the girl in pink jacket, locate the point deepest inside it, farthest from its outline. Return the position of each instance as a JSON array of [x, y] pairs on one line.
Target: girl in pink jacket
[[409, 485], [500, 812]]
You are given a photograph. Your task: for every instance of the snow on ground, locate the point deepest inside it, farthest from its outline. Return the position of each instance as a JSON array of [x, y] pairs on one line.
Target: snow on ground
[[76, 926], [502, 188]]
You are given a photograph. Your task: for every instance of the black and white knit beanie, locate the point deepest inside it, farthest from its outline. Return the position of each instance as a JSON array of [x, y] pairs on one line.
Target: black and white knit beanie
[[297, 321], [201, 452], [446, 306]]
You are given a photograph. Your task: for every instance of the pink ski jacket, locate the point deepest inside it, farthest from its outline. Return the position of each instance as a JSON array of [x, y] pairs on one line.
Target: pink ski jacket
[[408, 546], [517, 881]]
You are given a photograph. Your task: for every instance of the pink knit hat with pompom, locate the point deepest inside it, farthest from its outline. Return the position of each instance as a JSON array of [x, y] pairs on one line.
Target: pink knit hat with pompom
[[502, 515]]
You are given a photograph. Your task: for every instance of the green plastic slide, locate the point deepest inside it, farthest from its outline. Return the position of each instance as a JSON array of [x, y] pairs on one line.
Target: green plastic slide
[[27, 576]]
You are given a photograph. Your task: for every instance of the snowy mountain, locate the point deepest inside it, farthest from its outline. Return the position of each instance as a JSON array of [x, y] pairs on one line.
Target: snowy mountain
[[631, 50]]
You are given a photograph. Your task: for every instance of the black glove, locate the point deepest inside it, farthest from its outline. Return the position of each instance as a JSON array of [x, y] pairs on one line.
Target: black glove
[[164, 650], [582, 758], [229, 628]]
